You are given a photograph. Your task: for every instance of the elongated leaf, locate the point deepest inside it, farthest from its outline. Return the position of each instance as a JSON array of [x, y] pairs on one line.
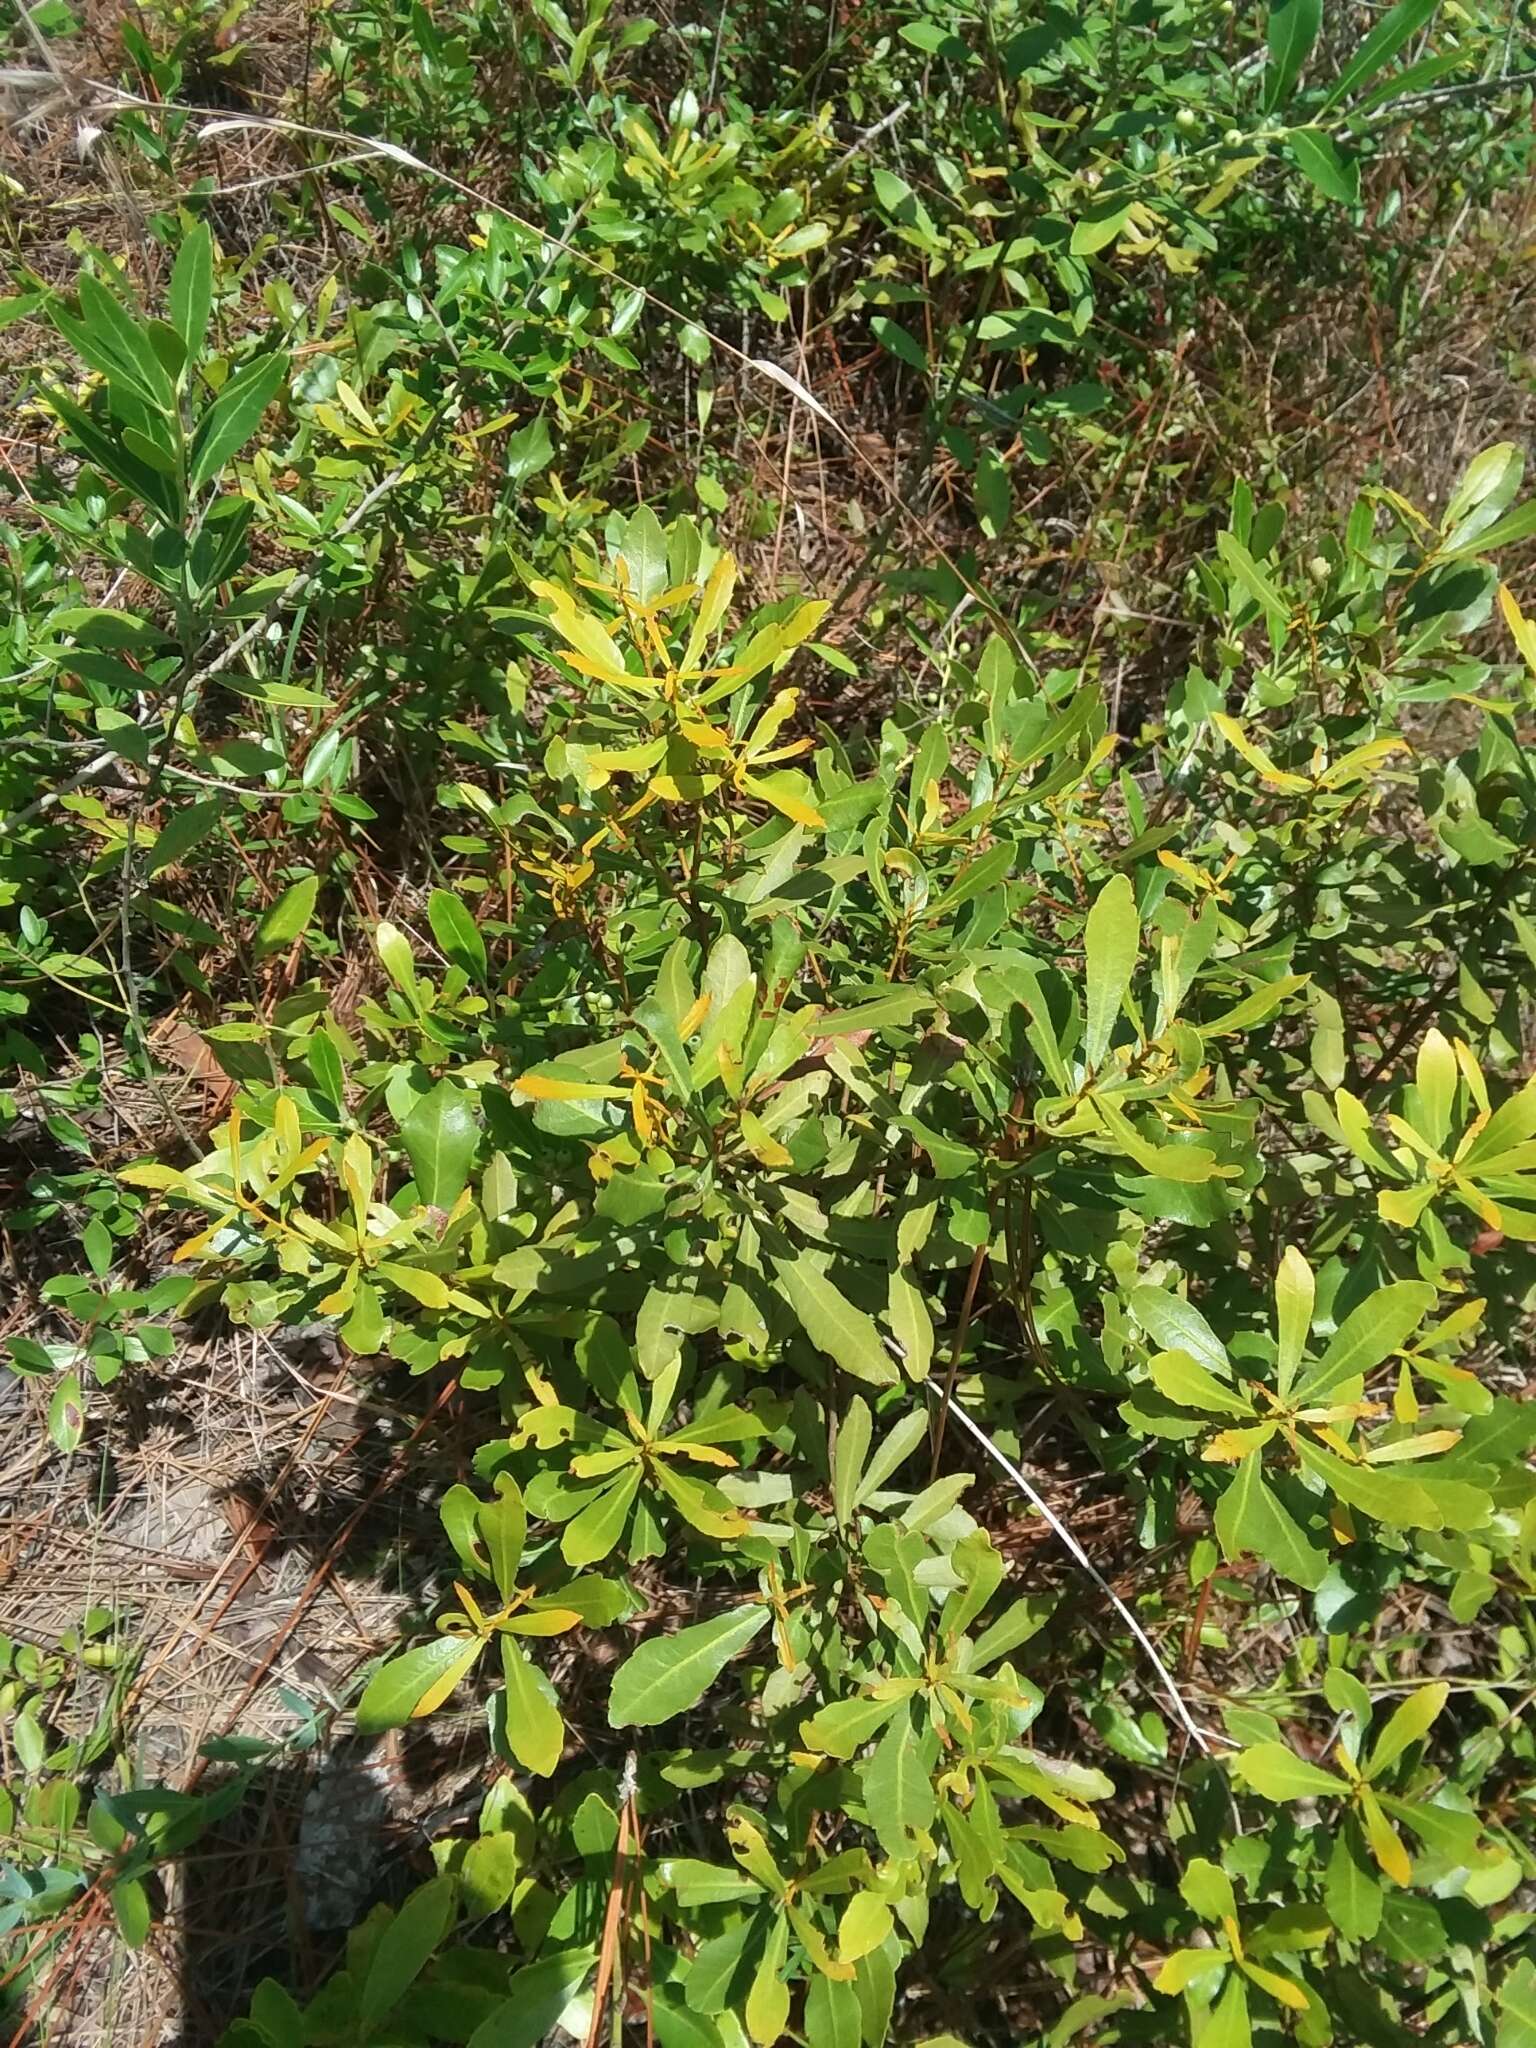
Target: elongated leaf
[[1250, 1520], [105, 449], [848, 1461], [288, 917], [845, 1333], [1373, 1331], [191, 294], [1295, 1293], [534, 1730], [1335, 175], [1275, 1772], [1246, 572], [234, 416], [457, 934], [1112, 937], [1177, 1325], [669, 1674], [591, 1535], [130, 1909], [1396, 28], [503, 1529], [185, 829], [894, 1450], [1292, 30], [1177, 1375], [1411, 1720], [126, 339], [767, 2008], [440, 1136], [911, 1324], [1386, 1843], [413, 1937], [843, 1728], [898, 1787], [408, 1685], [1351, 1890]]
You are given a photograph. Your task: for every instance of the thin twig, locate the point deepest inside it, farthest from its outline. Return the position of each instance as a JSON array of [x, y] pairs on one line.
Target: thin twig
[[1203, 1739]]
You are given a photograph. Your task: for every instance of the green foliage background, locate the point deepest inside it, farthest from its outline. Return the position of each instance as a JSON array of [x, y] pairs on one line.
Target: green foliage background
[[843, 1062]]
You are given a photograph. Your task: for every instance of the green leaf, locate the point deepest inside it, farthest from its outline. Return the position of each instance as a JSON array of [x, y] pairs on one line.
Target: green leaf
[[1228, 2025], [440, 1136], [457, 934], [130, 1909], [669, 1674], [994, 496], [1337, 177], [535, 1731], [127, 340], [767, 2007], [490, 1871], [1177, 1325], [590, 1536], [1295, 1295], [843, 1728], [529, 450], [1396, 28], [1381, 1324], [904, 1437], [411, 1940], [911, 1324], [288, 918], [832, 2013], [848, 1460], [1246, 572], [191, 294], [1207, 1890], [234, 416], [1351, 1889], [539, 1993], [898, 1788], [503, 1529], [893, 336], [397, 1689], [1292, 30], [1112, 937], [105, 449], [1176, 1374], [846, 1334], [185, 828], [1275, 1772], [1410, 1722], [66, 1414], [1251, 1520]]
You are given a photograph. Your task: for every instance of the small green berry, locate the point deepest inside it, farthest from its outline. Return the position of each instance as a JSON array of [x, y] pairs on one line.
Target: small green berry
[[1319, 568]]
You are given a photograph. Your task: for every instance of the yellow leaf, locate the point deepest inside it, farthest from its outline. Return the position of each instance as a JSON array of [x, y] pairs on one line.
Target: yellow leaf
[[285, 1122], [551, 1088], [1407, 1447], [1235, 736], [1278, 1987], [694, 1016], [1521, 628], [1386, 1843], [1405, 1402], [585, 633], [781, 793], [760, 1142], [645, 1122]]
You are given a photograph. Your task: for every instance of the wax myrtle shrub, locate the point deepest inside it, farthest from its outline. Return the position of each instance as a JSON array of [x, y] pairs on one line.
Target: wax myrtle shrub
[[985, 1239], [771, 1132]]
